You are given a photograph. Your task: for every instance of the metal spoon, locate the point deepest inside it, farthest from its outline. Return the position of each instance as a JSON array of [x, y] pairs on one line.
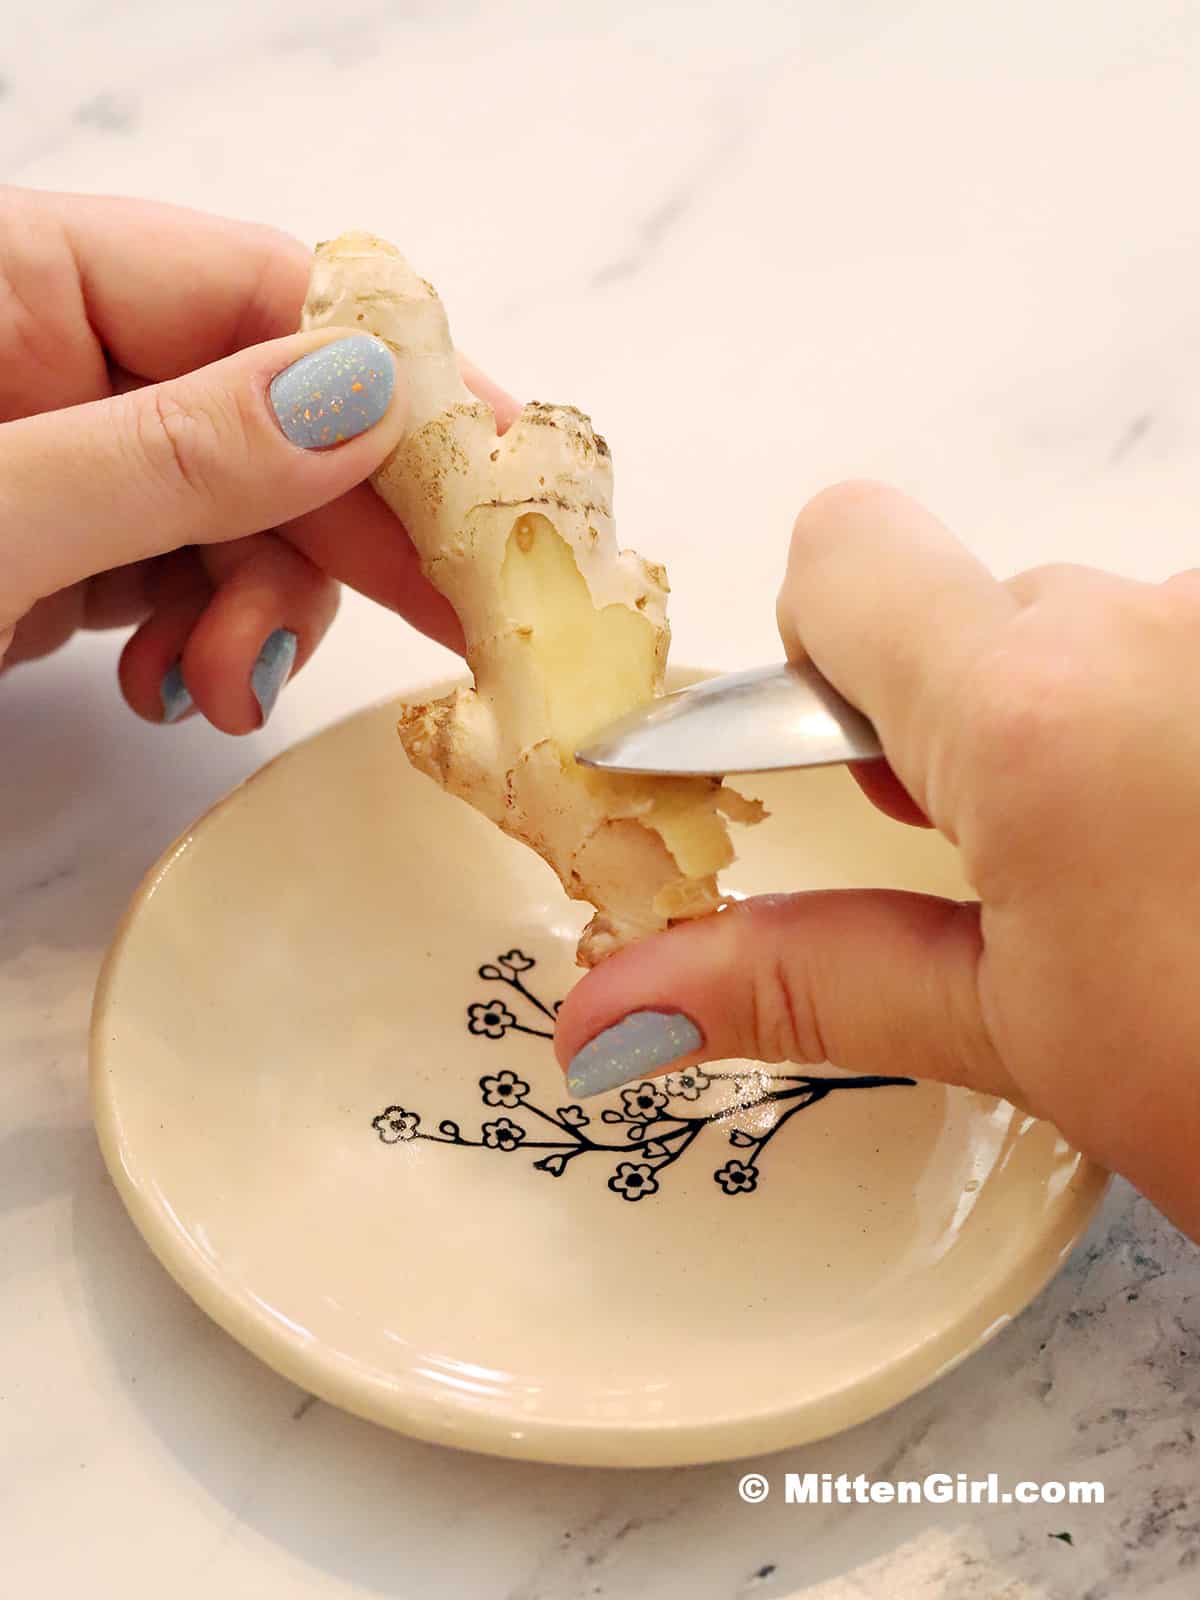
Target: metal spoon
[[769, 719]]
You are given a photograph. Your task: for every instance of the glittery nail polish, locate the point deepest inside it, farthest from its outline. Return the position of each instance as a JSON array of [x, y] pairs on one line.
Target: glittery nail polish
[[334, 393], [637, 1045], [271, 668], [173, 693]]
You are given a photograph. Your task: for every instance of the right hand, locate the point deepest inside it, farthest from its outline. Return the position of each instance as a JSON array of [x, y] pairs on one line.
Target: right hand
[[1050, 727]]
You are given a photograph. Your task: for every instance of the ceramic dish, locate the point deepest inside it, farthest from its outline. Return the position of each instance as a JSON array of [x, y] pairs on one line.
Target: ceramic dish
[[324, 1086]]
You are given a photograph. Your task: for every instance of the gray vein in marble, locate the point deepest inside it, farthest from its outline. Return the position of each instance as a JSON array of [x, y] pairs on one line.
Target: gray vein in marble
[[36, 150], [588, 1550], [888, 1469], [112, 113], [348, 36], [651, 232], [40, 1161], [1112, 1295], [1131, 437], [753, 1584], [47, 878], [941, 1565], [729, 131], [150, 56]]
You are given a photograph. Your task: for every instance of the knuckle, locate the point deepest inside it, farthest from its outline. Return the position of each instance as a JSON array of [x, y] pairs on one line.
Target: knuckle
[[278, 241], [1181, 596], [1035, 581], [819, 519], [817, 533], [1015, 710], [38, 294], [187, 445], [780, 1021], [849, 494], [1030, 730]]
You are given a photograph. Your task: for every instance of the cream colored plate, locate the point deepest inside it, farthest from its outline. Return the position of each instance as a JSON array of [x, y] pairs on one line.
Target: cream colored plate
[[338, 950]]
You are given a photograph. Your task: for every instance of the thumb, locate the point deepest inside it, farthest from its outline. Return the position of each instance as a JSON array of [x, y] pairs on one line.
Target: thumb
[[872, 980], [245, 444]]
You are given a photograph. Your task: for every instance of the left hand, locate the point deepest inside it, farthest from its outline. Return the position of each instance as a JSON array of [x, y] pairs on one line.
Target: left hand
[[136, 489]]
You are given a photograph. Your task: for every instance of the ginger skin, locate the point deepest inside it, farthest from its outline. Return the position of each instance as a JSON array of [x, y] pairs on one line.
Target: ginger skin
[[564, 631]]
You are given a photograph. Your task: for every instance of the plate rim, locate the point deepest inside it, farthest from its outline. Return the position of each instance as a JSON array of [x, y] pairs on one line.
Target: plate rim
[[447, 1419]]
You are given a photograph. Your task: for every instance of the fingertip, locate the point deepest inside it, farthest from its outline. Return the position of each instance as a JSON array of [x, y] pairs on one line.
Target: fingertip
[[822, 520], [849, 497], [261, 626], [658, 975], [234, 631], [341, 387], [272, 668], [221, 663], [150, 670], [174, 695], [886, 793], [644, 1043], [504, 407]]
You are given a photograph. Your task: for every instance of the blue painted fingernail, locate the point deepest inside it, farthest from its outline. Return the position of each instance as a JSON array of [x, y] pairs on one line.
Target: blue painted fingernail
[[334, 393], [638, 1044], [173, 693], [270, 671]]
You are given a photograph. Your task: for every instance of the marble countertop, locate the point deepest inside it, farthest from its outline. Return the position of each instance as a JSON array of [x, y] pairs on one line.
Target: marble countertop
[[765, 246]]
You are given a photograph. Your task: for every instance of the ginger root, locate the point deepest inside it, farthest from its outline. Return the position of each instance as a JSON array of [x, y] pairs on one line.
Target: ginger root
[[564, 631]]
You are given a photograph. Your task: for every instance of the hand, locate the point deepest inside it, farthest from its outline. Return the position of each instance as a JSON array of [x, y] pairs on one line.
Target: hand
[[1049, 727], [136, 489]]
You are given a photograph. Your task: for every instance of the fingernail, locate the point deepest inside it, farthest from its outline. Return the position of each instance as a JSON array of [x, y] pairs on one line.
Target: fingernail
[[334, 393], [173, 693], [638, 1044], [270, 671]]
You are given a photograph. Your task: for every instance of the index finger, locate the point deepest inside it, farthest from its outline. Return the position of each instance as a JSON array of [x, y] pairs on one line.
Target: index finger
[[892, 608], [168, 289]]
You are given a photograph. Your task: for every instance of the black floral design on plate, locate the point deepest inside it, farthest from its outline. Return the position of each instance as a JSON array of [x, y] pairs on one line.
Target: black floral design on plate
[[633, 1180], [503, 1089], [503, 1134], [394, 1125], [490, 1018], [689, 1085], [643, 1102], [657, 1122], [737, 1177]]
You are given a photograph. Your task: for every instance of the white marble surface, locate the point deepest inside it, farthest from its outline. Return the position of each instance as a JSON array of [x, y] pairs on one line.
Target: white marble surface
[[766, 246]]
